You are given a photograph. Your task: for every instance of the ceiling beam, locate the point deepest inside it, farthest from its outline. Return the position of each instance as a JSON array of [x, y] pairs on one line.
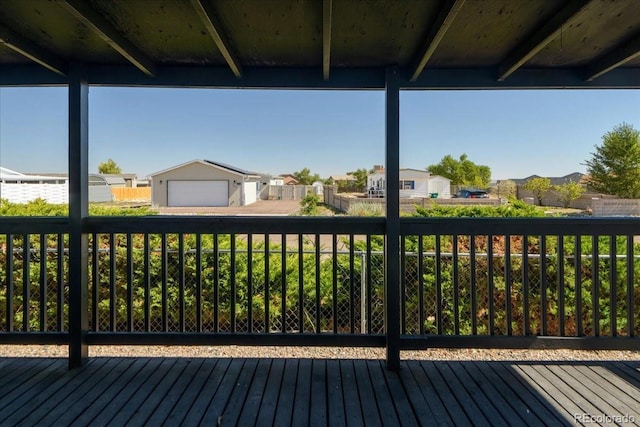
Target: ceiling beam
[[436, 33], [619, 56], [540, 38], [210, 21], [30, 50], [327, 10], [107, 32]]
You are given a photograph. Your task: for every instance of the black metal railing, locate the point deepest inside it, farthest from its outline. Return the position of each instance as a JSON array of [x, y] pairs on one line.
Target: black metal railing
[[475, 282], [33, 280], [320, 281]]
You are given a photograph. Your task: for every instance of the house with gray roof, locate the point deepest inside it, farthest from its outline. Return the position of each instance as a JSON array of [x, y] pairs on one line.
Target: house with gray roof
[[204, 183]]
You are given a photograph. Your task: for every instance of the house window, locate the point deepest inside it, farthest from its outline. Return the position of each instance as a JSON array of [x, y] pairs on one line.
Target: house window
[[407, 185]]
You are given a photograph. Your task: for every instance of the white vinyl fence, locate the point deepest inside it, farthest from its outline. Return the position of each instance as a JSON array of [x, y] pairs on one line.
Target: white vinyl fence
[[23, 193]]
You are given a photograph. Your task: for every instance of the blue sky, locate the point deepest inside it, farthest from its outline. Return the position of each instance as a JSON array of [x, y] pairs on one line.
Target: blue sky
[[515, 133]]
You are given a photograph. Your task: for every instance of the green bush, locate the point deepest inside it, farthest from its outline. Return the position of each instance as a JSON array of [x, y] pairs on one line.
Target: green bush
[[365, 209]]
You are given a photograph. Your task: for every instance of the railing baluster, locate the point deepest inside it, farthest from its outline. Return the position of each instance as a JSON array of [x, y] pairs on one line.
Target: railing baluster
[[595, 285], [199, 282], [403, 285], [508, 281], [267, 285], [335, 283], [630, 288], [216, 284], [439, 297], [456, 287], [165, 266], [525, 286], [130, 270], [613, 293], [578, 285], [317, 267], [543, 283], [283, 284], [10, 284], [232, 282], [491, 290], [250, 283], [112, 282], [300, 285], [473, 285], [26, 282], [421, 284], [61, 280], [95, 270], [369, 285], [561, 286], [147, 283], [181, 282], [43, 282], [352, 292]]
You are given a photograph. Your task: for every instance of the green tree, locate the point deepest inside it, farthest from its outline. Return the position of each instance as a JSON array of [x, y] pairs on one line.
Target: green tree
[[614, 167], [569, 192], [506, 189], [538, 186], [304, 177], [309, 204], [360, 175], [109, 167], [462, 172]]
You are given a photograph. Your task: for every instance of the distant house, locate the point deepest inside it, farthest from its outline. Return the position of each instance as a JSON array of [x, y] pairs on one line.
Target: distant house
[[204, 183], [413, 183], [289, 179], [129, 180]]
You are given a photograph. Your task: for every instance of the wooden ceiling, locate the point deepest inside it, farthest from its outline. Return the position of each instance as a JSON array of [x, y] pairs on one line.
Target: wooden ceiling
[[323, 43]]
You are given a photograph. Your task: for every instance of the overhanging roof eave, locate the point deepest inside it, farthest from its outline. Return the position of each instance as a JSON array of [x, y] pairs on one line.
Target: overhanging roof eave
[[309, 78]]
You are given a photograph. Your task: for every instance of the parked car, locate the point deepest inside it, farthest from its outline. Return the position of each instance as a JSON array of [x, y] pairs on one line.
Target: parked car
[[471, 194]]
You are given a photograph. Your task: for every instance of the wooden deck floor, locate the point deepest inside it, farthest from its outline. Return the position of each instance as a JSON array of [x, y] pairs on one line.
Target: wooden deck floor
[[265, 392]]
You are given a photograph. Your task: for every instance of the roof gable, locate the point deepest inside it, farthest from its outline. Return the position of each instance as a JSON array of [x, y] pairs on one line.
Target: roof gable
[[209, 163]]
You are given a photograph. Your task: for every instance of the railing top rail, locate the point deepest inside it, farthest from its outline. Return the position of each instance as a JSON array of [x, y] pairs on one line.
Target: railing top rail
[[240, 225], [33, 225], [519, 226]]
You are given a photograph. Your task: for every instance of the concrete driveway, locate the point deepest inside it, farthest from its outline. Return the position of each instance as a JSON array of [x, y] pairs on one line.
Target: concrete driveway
[[261, 207]]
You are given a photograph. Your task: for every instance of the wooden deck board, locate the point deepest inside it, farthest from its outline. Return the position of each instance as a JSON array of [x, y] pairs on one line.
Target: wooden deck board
[[213, 412], [255, 395], [528, 393], [175, 393], [114, 390], [193, 391], [386, 408], [486, 404], [318, 409], [284, 410], [302, 405], [185, 391], [208, 390], [267, 410]]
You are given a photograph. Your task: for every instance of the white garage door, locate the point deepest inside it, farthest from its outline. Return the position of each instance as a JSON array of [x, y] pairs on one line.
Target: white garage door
[[198, 193]]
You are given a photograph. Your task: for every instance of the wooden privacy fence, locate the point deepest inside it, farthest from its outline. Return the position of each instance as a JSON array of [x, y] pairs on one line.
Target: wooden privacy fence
[[134, 194]]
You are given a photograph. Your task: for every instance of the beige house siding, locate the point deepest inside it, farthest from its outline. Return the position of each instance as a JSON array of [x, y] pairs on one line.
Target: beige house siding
[[194, 172]]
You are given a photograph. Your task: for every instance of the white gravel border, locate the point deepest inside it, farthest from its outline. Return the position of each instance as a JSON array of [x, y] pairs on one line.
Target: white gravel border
[[320, 353]]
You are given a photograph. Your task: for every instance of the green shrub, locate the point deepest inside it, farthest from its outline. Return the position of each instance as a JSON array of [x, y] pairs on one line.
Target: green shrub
[[365, 209]]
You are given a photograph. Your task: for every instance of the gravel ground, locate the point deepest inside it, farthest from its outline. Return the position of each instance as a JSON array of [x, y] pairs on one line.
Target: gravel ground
[[319, 353]]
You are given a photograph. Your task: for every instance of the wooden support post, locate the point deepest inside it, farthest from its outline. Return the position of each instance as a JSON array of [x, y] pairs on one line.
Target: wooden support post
[[392, 238], [78, 210]]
